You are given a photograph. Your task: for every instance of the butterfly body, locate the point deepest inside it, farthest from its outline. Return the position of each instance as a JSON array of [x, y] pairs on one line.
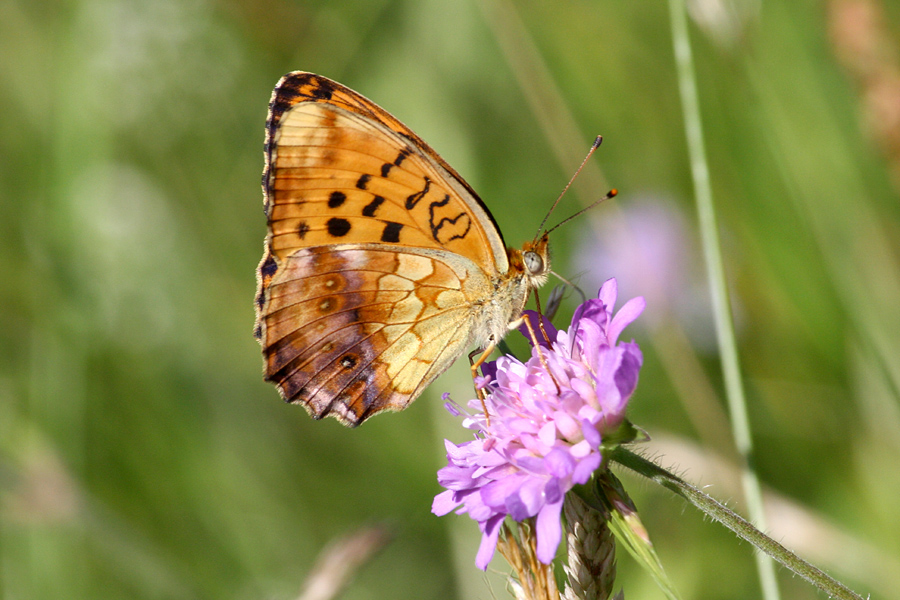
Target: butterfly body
[[381, 265]]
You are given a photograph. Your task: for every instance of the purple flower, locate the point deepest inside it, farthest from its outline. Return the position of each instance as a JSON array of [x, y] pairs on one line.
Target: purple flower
[[547, 419]]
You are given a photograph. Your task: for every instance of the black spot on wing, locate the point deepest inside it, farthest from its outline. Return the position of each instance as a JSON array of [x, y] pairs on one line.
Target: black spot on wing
[[336, 199], [391, 232], [338, 227], [401, 156], [363, 181], [370, 208]]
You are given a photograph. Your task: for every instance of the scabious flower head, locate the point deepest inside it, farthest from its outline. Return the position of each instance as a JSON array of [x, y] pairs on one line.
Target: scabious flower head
[[546, 420]]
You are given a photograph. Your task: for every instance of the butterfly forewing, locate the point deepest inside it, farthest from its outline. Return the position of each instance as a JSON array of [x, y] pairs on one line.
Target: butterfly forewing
[[381, 264], [340, 169]]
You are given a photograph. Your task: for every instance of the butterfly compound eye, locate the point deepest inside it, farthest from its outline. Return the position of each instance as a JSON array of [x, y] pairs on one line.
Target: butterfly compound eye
[[533, 262]]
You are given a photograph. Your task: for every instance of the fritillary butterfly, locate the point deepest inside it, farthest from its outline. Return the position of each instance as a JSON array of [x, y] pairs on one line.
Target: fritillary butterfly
[[381, 264]]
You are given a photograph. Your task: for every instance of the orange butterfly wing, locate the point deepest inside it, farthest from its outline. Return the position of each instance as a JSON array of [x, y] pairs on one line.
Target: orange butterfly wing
[[381, 264], [332, 153]]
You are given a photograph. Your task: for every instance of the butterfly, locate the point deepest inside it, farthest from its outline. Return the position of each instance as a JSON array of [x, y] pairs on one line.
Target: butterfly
[[381, 264]]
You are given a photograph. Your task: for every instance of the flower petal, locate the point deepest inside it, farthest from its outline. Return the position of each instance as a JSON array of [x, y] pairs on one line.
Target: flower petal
[[559, 463], [495, 493], [586, 467], [490, 533], [624, 317], [548, 531], [532, 318], [609, 291], [627, 374], [443, 503]]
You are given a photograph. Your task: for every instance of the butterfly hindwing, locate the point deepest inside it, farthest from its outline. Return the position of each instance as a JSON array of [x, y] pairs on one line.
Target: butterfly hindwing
[[353, 330]]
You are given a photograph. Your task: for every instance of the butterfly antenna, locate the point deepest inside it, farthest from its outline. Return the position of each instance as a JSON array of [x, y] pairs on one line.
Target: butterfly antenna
[[610, 194], [594, 146]]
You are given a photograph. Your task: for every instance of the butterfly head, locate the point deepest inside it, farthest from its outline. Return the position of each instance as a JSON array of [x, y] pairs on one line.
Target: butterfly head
[[535, 256]]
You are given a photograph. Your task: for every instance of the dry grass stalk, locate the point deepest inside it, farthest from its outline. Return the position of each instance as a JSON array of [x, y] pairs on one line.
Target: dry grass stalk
[[531, 579]]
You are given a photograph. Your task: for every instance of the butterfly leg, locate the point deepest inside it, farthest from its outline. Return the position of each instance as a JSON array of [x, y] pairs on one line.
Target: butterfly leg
[[475, 365], [534, 342], [537, 346], [537, 303]]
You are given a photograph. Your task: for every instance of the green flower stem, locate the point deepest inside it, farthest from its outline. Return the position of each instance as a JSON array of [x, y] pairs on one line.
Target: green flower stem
[[740, 526], [734, 390]]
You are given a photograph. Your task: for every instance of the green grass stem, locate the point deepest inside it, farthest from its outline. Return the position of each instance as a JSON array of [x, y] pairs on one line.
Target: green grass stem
[[715, 269]]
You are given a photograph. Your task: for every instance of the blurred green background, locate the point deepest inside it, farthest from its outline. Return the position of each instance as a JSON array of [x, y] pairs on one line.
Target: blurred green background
[[141, 454]]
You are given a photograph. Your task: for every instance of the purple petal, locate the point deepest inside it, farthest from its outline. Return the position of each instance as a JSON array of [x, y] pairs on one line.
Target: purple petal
[[590, 433], [496, 492], [582, 449], [605, 367], [592, 340], [454, 478], [516, 507], [531, 463], [489, 370], [584, 391], [443, 503], [549, 532], [490, 533], [532, 318], [559, 463], [586, 467], [547, 433], [553, 491], [593, 311], [609, 291], [627, 374], [502, 470], [568, 427], [478, 510], [457, 453], [628, 313], [532, 495]]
